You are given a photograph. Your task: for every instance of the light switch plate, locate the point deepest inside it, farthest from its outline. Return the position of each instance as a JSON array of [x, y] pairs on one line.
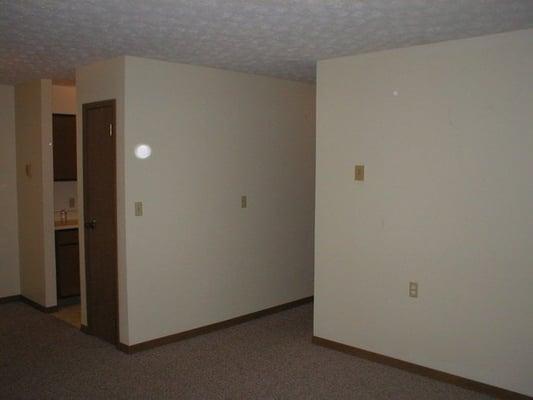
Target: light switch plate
[[138, 208], [359, 172], [244, 201], [413, 289]]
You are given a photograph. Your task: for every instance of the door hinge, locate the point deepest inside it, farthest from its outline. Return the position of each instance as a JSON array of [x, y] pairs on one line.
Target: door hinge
[[110, 129]]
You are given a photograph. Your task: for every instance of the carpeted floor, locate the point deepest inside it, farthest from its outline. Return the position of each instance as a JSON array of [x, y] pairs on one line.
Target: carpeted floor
[[42, 357]]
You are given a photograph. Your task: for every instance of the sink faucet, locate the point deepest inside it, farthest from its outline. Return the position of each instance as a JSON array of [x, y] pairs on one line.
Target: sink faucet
[[63, 216]]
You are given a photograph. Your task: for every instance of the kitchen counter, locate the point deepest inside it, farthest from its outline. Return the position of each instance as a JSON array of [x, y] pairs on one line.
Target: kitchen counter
[[70, 224]]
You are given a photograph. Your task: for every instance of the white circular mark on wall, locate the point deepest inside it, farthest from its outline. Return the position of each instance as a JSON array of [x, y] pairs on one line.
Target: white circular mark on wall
[[395, 93], [143, 151]]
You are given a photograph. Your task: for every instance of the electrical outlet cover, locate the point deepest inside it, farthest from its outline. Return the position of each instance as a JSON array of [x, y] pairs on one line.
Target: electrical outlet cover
[[359, 172]]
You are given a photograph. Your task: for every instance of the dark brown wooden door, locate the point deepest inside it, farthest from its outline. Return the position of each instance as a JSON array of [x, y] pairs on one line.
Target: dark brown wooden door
[[64, 129], [100, 213]]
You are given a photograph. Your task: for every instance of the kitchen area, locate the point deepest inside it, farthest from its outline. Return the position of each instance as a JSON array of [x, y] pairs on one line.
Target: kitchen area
[[65, 205]]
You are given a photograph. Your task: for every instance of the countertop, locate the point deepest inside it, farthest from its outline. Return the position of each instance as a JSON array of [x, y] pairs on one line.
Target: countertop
[[70, 224]]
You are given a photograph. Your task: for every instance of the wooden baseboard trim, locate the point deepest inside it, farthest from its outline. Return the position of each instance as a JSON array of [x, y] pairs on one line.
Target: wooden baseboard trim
[[38, 306], [10, 299], [19, 297], [420, 370], [210, 328]]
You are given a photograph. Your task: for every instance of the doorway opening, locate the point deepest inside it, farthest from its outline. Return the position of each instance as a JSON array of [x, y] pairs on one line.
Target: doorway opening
[[65, 192]]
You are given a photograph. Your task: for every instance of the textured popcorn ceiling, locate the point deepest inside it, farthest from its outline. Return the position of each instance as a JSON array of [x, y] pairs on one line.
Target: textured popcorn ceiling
[[282, 38]]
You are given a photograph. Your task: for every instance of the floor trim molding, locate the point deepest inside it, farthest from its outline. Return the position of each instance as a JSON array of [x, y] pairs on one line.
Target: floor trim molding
[[210, 328], [420, 370], [10, 299], [37, 306]]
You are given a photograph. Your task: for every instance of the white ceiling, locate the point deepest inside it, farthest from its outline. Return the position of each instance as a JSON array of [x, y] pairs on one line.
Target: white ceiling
[[282, 38]]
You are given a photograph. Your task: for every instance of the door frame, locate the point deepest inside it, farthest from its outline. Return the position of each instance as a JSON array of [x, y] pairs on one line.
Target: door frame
[[86, 107], [61, 180]]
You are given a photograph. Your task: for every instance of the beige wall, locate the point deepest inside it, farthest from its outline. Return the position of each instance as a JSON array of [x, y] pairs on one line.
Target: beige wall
[[33, 121], [97, 82], [445, 133], [63, 192], [196, 257], [9, 253]]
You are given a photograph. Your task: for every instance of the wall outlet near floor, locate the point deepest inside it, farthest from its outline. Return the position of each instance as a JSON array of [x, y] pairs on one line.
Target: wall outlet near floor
[[413, 289]]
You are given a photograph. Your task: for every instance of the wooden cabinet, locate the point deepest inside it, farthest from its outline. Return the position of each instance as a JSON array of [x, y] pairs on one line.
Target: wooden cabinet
[[67, 263], [64, 129]]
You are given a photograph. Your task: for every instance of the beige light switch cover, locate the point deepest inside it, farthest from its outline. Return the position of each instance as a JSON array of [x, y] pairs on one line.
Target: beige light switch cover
[[359, 172]]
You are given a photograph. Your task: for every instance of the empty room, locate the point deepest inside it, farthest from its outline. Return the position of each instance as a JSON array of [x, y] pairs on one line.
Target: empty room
[[271, 199]]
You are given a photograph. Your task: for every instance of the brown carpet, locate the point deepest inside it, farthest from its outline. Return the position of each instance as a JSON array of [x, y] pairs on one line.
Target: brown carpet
[[42, 357]]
